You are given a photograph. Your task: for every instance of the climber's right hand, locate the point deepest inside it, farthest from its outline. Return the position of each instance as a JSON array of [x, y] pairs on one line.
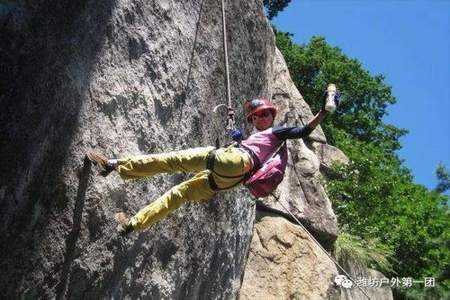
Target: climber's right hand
[[236, 135]]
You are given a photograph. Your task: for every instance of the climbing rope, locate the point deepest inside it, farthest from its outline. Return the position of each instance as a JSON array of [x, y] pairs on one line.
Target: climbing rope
[[320, 246], [230, 111], [230, 121]]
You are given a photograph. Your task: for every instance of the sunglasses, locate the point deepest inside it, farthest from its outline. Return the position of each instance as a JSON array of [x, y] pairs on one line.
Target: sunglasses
[[263, 114]]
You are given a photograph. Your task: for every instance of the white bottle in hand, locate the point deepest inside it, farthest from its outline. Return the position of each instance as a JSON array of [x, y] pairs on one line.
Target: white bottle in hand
[[330, 104]]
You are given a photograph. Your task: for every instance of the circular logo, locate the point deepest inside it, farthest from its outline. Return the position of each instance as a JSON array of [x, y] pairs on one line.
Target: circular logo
[[342, 280], [347, 283], [339, 278]]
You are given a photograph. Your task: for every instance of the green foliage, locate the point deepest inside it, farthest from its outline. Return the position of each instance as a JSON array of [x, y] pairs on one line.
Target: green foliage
[[368, 253], [374, 196], [443, 176], [364, 97], [274, 7]]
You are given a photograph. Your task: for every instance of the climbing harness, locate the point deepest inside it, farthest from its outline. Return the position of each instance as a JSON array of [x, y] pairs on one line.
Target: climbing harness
[[320, 246], [210, 161]]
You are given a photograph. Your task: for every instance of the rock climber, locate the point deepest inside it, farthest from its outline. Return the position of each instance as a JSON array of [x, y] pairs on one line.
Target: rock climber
[[216, 169]]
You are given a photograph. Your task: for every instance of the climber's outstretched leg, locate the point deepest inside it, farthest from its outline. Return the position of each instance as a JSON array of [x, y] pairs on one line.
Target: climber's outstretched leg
[[195, 189], [190, 160], [230, 166]]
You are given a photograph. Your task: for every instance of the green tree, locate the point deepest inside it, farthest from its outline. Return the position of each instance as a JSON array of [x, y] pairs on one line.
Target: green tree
[[443, 176], [364, 97], [274, 7], [374, 196]]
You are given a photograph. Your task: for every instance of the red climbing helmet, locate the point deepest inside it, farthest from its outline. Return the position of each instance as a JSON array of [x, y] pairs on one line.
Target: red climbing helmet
[[256, 105]]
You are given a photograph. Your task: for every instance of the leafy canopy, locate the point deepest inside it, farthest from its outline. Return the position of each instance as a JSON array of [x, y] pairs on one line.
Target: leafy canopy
[[364, 100], [274, 7], [443, 177], [374, 196]]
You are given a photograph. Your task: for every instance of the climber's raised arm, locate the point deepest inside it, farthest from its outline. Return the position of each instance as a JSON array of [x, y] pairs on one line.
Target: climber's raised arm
[[263, 119], [330, 102], [318, 118], [261, 112], [287, 133]]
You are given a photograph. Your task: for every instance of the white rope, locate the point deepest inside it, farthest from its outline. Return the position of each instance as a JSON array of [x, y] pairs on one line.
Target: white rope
[[230, 123]]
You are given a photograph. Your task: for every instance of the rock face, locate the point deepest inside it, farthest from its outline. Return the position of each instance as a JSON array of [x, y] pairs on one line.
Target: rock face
[[284, 263], [328, 155], [134, 77], [125, 77], [374, 288]]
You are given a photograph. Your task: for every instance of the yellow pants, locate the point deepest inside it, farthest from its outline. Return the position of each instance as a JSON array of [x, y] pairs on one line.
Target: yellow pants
[[229, 161]]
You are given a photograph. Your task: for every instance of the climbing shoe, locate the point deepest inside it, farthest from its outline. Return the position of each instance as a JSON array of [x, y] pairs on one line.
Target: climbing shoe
[[124, 227], [101, 162]]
